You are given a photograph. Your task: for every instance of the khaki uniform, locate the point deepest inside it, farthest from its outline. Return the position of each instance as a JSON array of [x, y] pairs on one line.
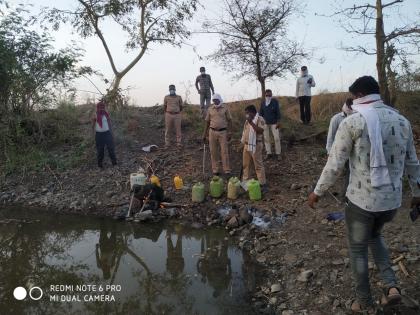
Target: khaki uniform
[[256, 157], [173, 118], [219, 118]]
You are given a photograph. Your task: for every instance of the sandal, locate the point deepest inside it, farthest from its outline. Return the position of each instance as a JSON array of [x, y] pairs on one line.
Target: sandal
[[391, 299], [357, 308]]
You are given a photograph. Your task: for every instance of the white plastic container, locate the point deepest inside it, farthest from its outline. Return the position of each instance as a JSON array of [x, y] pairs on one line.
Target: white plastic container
[[137, 179]]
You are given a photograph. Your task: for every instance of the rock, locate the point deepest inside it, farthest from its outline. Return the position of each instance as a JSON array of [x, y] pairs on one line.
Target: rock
[[244, 217], [338, 262], [109, 194], [290, 258], [144, 216], [261, 259], [273, 301], [233, 222], [295, 186], [275, 288], [305, 276], [287, 312]]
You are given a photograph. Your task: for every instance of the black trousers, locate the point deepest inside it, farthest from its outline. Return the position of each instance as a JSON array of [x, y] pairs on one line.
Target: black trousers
[[105, 139], [305, 109]]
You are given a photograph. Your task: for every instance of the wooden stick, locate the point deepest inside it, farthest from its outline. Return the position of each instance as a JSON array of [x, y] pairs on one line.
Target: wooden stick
[[398, 259], [403, 269]]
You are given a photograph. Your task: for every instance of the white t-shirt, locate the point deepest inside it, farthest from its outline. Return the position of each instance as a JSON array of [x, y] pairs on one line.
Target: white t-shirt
[[105, 126]]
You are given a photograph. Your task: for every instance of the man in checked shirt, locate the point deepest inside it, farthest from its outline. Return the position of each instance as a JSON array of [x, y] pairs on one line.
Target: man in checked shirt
[[378, 142]]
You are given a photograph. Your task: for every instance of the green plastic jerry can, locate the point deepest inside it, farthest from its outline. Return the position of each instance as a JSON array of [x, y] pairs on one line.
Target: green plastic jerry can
[[198, 192], [254, 190], [233, 188], [216, 187]]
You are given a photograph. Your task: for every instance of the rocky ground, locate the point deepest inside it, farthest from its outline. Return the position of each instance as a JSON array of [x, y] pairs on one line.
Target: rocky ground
[[304, 265]]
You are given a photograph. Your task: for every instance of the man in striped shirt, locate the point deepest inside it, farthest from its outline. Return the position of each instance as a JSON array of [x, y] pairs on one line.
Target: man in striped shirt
[[205, 88]]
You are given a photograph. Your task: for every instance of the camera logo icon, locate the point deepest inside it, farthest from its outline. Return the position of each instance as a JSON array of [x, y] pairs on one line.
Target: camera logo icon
[[35, 293]]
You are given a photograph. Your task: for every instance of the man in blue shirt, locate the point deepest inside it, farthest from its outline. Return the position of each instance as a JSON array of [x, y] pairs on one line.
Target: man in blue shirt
[[270, 111]]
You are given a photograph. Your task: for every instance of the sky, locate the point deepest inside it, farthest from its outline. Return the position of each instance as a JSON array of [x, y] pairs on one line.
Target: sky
[[147, 83]]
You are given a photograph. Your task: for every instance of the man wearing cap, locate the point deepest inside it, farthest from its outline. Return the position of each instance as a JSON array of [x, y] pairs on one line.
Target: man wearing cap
[[217, 129], [205, 88], [172, 105], [303, 94]]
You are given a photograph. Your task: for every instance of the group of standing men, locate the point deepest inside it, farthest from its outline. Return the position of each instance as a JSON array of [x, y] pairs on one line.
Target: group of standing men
[[218, 128]]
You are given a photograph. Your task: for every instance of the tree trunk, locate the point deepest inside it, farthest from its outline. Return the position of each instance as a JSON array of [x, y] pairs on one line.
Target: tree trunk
[[380, 53], [112, 95], [262, 83]]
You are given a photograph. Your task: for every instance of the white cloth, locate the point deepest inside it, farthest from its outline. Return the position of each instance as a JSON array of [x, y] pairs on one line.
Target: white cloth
[[252, 136], [267, 101], [379, 173], [216, 96], [105, 126], [303, 88]]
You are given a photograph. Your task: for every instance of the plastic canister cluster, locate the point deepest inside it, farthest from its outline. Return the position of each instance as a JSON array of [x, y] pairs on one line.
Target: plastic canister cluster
[[216, 187], [178, 182], [233, 188], [197, 194], [254, 190], [137, 179]]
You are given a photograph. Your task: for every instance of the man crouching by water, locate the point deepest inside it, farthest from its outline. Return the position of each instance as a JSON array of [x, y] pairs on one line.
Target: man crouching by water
[[101, 123], [378, 141]]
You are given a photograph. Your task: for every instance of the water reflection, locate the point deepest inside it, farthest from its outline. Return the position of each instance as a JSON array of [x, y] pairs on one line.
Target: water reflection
[[214, 264], [162, 269]]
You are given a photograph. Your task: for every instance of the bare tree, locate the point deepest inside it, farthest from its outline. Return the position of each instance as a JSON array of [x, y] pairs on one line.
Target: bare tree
[[400, 41], [253, 39], [145, 22]]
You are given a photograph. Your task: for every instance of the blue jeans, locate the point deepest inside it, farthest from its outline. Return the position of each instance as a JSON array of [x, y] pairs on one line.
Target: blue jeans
[[363, 232]]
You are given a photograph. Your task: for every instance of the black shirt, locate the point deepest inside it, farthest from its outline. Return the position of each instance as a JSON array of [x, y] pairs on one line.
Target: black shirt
[[270, 112]]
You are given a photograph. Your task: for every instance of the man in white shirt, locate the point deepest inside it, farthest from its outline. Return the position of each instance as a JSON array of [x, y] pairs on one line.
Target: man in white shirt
[[378, 142], [303, 94]]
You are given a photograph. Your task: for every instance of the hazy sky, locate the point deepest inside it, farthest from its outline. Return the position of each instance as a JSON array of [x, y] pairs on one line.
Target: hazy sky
[[332, 68]]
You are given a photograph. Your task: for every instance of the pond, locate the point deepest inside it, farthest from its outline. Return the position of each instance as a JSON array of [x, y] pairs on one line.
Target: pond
[[82, 265]]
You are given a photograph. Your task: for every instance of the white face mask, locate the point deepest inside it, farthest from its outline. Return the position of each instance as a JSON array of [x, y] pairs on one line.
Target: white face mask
[[267, 99], [203, 72]]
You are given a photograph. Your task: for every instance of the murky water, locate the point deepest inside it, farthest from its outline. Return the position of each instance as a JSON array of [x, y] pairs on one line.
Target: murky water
[[96, 266]]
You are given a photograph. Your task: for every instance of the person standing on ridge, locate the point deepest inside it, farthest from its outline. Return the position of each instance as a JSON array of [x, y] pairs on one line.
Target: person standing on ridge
[[303, 94], [270, 111], [172, 105], [101, 124], [205, 88]]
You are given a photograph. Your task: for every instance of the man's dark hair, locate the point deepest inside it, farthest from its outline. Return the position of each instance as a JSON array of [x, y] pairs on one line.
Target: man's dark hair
[[202, 69], [251, 108], [172, 86], [365, 85], [304, 68], [349, 102], [268, 90]]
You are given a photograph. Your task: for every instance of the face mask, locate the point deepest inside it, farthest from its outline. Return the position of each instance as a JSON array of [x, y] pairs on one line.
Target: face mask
[[203, 72], [247, 116], [172, 92], [268, 99]]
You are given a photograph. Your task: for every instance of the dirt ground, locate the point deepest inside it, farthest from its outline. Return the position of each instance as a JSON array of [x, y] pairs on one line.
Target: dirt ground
[[305, 258]]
